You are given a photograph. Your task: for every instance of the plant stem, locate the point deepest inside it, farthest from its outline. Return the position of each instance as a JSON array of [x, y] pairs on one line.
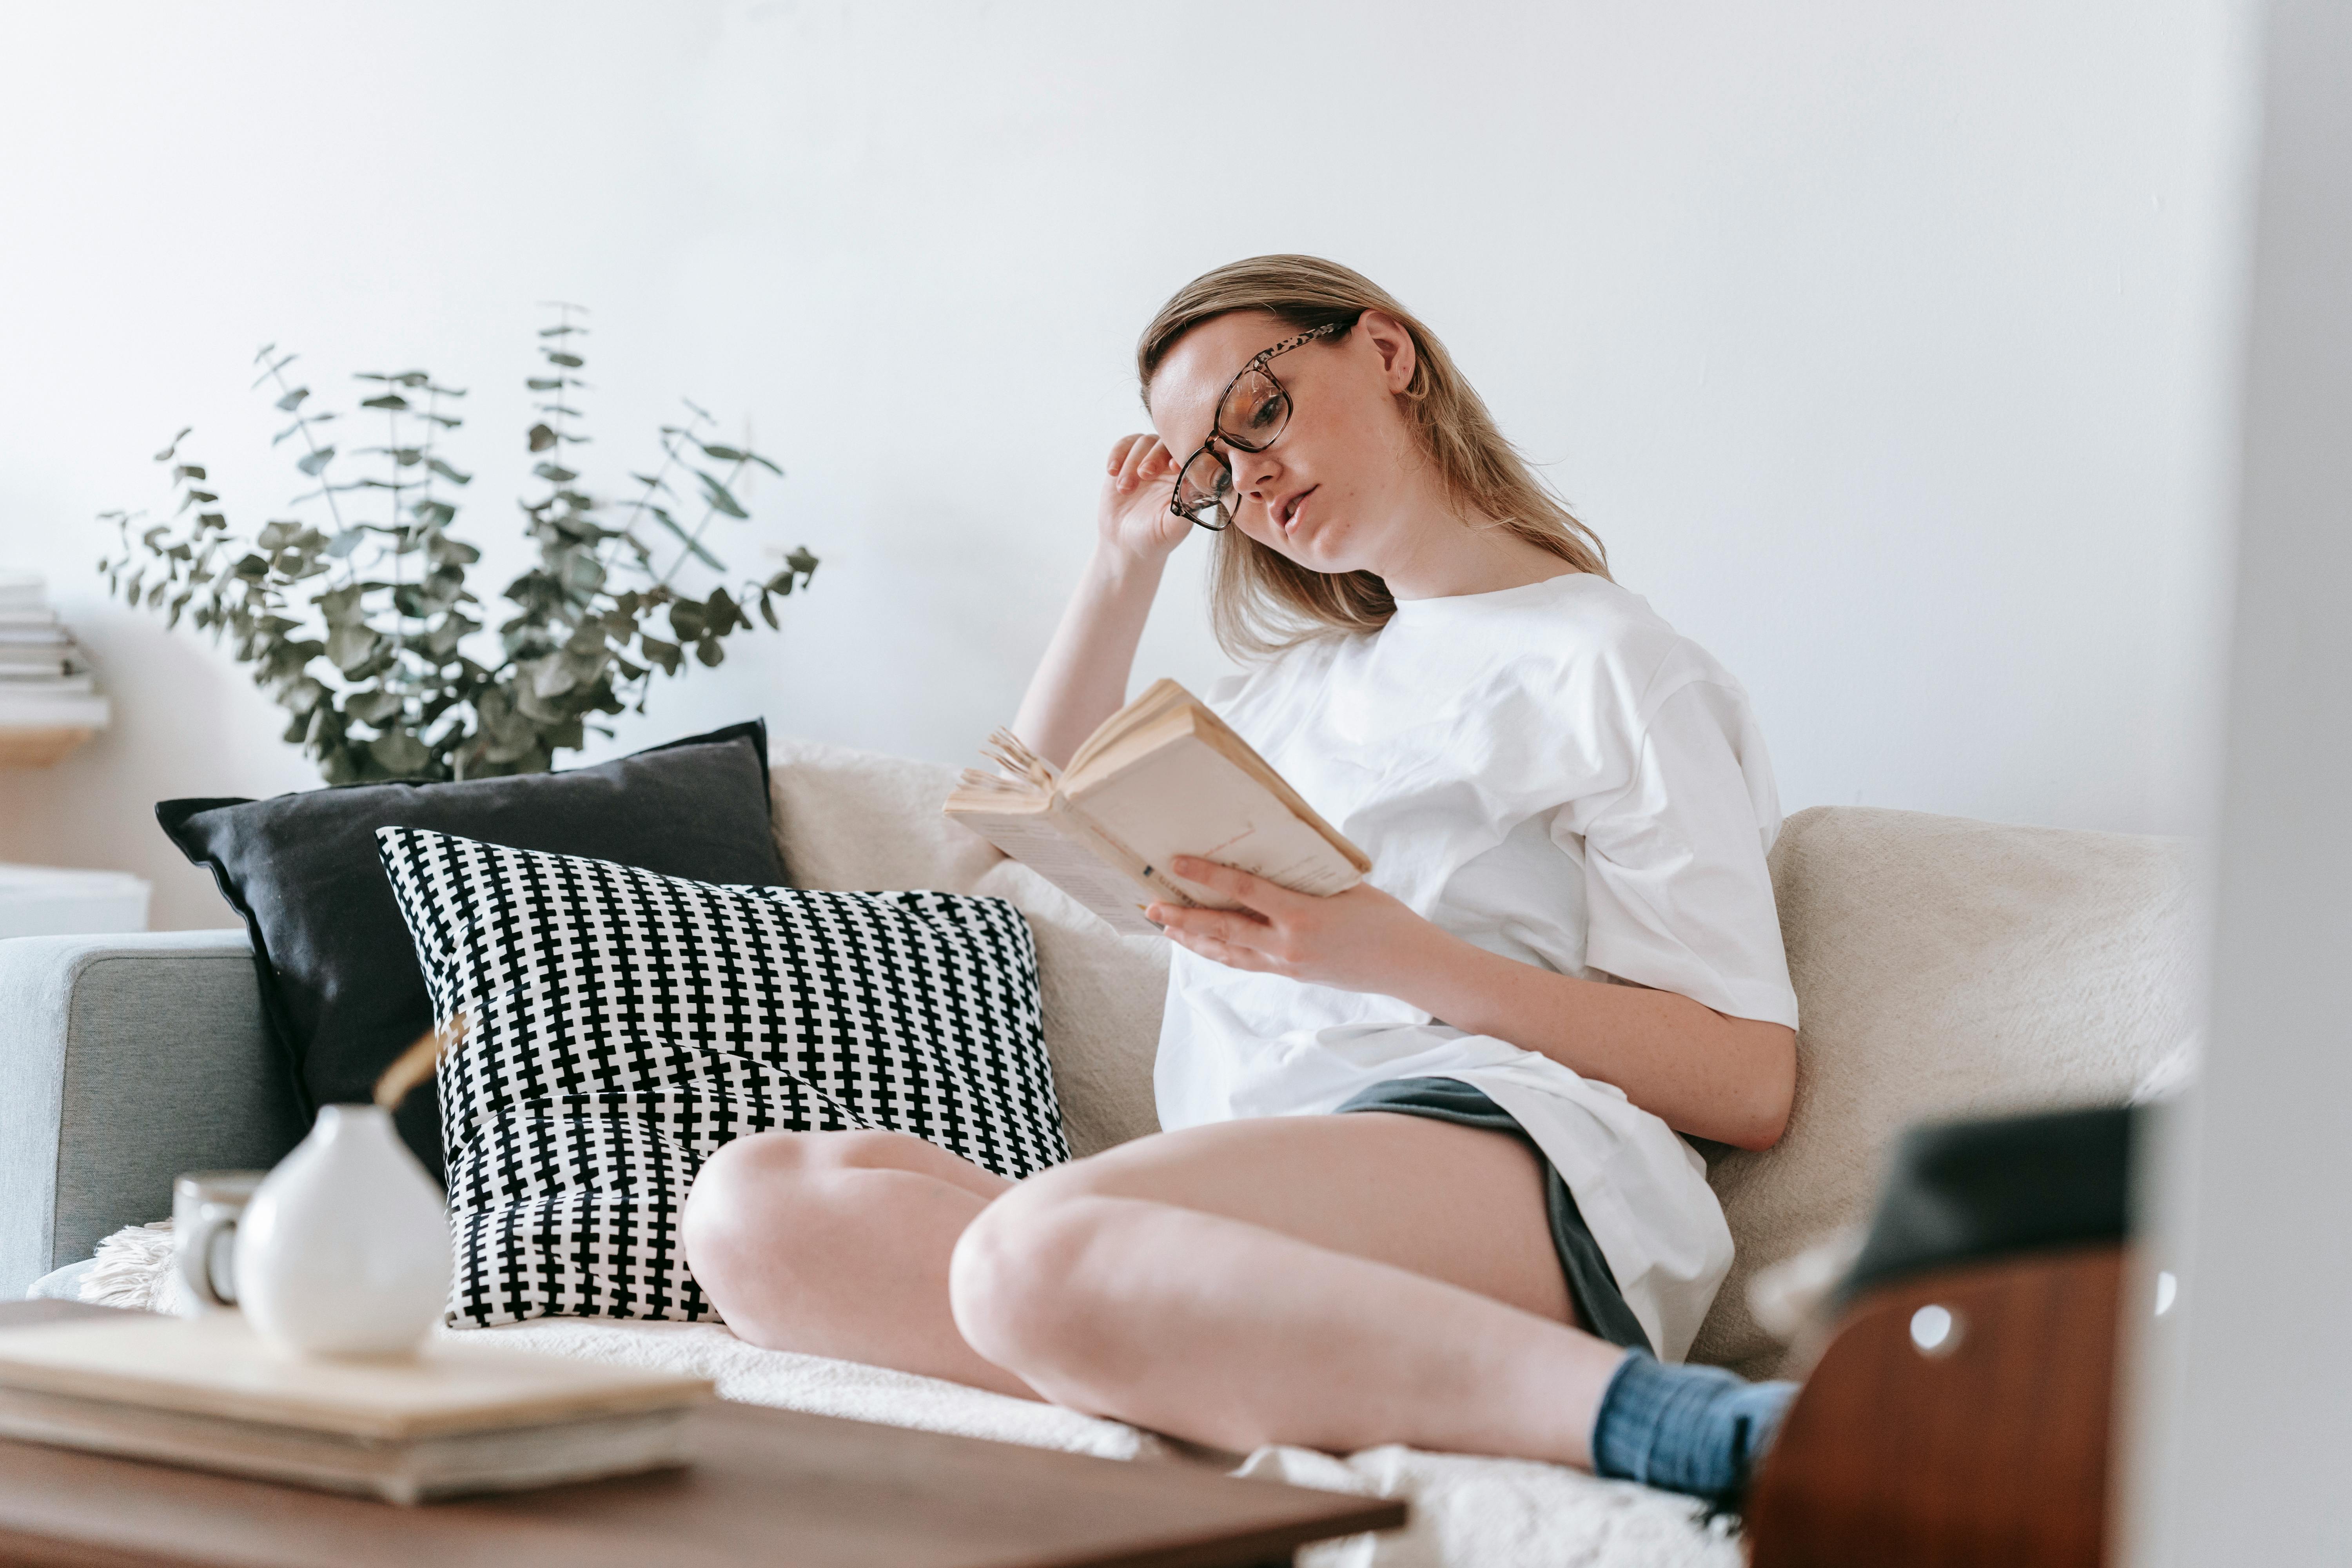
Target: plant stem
[[399, 555], [326, 486], [696, 537]]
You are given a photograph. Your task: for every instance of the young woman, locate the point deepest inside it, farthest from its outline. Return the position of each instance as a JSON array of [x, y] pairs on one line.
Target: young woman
[[1421, 1180]]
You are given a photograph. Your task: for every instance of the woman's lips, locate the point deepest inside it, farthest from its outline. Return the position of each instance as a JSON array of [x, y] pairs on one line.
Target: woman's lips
[[1290, 507]]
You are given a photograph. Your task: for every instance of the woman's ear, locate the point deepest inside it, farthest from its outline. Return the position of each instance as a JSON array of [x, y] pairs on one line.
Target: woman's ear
[[1390, 340]]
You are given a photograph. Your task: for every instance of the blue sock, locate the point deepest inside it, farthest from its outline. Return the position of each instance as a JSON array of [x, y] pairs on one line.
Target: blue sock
[[1695, 1429]]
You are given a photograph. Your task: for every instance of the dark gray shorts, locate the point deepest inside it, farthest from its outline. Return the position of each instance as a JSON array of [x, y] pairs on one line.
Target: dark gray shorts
[[1600, 1305]]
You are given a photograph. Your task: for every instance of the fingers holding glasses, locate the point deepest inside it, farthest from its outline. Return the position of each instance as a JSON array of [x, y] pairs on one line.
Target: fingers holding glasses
[[1122, 457], [1135, 497], [1135, 459]]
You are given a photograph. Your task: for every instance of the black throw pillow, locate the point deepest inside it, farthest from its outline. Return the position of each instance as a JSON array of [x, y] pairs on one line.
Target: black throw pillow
[[339, 983]]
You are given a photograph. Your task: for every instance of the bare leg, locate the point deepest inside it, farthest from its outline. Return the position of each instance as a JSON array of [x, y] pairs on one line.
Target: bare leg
[[1336, 1282], [1333, 1281], [837, 1243]]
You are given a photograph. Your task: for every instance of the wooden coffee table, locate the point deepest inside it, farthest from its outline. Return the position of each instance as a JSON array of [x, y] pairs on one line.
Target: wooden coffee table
[[766, 1486]]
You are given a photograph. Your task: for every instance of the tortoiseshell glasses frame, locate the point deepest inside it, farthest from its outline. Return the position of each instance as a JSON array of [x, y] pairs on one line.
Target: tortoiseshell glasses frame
[[1206, 482]]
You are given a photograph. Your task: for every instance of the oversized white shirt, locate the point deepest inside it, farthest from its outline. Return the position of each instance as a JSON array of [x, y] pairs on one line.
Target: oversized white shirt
[[1552, 772]]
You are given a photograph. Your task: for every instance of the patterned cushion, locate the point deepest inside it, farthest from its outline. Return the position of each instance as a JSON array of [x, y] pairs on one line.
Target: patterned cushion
[[625, 1024]]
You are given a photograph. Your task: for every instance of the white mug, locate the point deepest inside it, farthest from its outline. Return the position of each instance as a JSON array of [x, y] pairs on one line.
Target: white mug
[[206, 1207], [344, 1248]]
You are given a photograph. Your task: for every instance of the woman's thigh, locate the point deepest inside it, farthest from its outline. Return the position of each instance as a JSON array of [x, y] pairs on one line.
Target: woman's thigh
[[1458, 1203]]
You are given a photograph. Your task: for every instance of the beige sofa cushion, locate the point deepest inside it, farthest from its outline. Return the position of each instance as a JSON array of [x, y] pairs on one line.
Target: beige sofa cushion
[[1943, 967], [862, 822], [1946, 967]]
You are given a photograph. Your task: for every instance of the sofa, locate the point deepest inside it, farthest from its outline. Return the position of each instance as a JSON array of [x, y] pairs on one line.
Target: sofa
[[1944, 967]]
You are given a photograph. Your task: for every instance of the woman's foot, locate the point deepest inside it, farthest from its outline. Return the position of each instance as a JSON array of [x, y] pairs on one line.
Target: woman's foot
[[1695, 1429]]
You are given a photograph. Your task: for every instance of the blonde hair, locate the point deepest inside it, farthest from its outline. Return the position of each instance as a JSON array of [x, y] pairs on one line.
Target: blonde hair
[[1261, 601]]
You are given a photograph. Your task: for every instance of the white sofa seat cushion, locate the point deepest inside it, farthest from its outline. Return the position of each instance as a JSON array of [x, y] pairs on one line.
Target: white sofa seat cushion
[[1467, 1512], [1944, 968]]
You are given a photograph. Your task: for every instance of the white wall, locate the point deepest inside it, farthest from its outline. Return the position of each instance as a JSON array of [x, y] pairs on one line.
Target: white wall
[[2251, 1468], [1886, 346]]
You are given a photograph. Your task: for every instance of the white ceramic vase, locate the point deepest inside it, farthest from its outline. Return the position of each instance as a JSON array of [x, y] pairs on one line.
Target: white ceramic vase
[[344, 1249]]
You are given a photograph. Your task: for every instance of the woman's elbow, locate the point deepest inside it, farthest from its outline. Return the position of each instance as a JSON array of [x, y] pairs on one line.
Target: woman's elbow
[[1771, 1086]]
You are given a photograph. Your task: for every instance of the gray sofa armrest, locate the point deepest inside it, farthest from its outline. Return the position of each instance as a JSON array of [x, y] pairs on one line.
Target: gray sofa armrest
[[123, 1061]]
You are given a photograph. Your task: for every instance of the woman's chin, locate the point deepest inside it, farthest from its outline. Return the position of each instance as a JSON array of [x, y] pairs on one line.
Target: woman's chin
[[1313, 545]]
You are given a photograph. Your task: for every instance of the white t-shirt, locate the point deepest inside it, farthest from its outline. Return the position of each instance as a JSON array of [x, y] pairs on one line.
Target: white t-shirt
[[1552, 772]]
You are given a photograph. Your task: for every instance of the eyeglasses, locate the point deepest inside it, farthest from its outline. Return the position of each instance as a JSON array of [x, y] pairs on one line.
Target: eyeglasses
[[1251, 416]]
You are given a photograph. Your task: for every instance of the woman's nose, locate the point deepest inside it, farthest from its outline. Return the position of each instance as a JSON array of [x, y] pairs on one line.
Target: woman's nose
[[1254, 472]]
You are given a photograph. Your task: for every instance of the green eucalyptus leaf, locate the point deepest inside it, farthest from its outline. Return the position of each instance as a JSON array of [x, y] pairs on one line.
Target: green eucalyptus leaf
[[569, 361], [299, 697], [373, 707], [719, 495], [391, 400], [665, 654], [343, 605], [725, 614], [554, 473], [554, 678], [448, 473], [541, 437], [350, 645], [399, 754], [443, 550], [293, 399], [313, 461]]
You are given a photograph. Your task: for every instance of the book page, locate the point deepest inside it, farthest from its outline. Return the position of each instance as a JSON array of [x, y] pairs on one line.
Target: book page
[[1189, 798], [1039, 843]]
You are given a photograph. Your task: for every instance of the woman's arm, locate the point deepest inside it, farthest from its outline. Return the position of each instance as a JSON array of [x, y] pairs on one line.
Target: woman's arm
[[1082, 681], [1700, 1071]]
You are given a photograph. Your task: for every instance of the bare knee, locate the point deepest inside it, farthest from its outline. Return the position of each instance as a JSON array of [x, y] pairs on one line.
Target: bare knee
[[1025, 1284], [768, 1184]]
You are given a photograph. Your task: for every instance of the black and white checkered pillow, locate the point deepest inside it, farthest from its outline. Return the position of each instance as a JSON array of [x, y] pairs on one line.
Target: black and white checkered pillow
[[625, 1024]]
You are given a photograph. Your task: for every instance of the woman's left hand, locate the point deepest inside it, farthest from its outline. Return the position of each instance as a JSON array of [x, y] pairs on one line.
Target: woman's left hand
[[1361, 940]]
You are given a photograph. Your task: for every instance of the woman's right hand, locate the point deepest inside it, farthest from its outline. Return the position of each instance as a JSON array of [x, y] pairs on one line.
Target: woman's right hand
[[1133, 518]]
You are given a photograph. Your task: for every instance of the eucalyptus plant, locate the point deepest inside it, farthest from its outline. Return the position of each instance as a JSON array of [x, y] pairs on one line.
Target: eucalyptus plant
[[361, 624]]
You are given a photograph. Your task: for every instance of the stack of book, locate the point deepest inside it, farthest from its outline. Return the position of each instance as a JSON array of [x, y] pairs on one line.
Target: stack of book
[[462, 1416], [48, 699]]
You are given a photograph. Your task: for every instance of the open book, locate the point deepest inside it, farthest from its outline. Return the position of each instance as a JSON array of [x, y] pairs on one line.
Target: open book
[[1163, 776]]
